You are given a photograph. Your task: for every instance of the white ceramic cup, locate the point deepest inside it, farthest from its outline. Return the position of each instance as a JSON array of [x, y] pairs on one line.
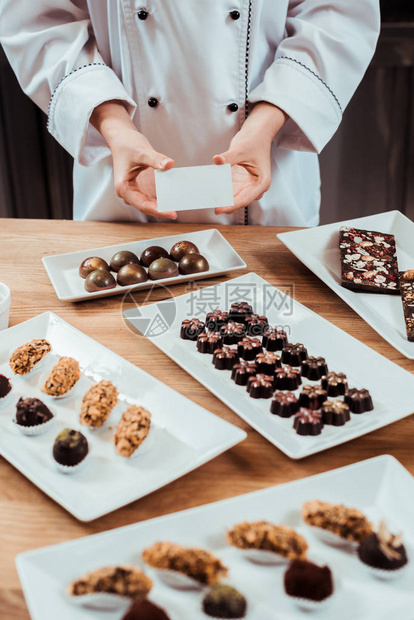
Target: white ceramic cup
[[5, 300]]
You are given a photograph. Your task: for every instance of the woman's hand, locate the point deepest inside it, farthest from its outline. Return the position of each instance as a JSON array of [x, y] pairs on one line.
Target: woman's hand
[[134, 159], [249, 155]]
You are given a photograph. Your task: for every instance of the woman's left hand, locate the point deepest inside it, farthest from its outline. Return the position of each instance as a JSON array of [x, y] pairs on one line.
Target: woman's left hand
[[249, 155]]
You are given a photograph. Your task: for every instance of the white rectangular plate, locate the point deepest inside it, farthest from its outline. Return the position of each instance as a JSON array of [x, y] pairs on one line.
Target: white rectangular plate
[[318, 249], [364, 367], [194, 187], [380, 487], [63, 269], [184, 435]]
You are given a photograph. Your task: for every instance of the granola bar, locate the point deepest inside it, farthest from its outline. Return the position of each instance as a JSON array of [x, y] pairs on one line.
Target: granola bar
[[98, 403], [280, 539], [63, 377], [368, 261], [348, 523], [406, 279], [132, 429], [198, 564], [126, 581], [25, 358]]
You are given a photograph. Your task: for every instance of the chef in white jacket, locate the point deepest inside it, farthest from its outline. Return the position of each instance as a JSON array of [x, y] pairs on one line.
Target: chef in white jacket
[[135, 85]]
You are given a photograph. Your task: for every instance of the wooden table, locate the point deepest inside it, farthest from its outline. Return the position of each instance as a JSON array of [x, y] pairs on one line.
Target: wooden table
[[29, 519]]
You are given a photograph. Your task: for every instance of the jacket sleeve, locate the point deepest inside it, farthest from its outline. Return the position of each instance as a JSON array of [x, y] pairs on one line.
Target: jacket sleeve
[[52, 50], [318, 66]]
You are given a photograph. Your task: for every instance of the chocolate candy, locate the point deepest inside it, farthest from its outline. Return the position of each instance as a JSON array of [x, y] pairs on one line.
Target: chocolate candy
[[5, 386], [274, 339], [225, 358], [287, 378], [248, 348], [359, 401], [406, 281], [131, 274], [191, 328], [255, 324], [239, 311], [232, 332], [162, 268], [307, 581], [284, 404], [99, 280], [145, 610], [224, 601], [335, 383], [208, 343], [308, 422], [193, 263], [215, 320], [32, 412], [368, 261], [294, 354], [92, 264], [335, 412], [314, 368], [260, 386], [151, 254], [267, 362], [123, 258], [383, 550], [70, 447], [182, 248], [242, 371], [312, 397]]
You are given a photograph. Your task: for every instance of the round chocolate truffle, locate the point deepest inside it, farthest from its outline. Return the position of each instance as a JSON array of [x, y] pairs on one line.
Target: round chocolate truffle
[[274, 339], [287, 378], [239, 310], [216, 319], [32, 412], [383, 550], [284, 404], [304, 579], [294, 354], [124, 257], [162, 268], [255, 324], [335, 383], [70, 447], [308, 422], [260, 386], [225, 358], [5, 386], [314, 368], [312, 397], [248, 348], [193, 263], [224, 601], [92, 264], [182, 248], [268, 362], [232, 332], [131, 274], [191, 329], [335, 412], [359, 401], [208, 343], [145, 610], [151, 254], [242, 371], [99, 280]]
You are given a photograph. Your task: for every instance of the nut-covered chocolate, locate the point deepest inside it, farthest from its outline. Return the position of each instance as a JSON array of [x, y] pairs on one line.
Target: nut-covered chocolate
[[274, 339], [308, 422], [191, 328], [151, 254], [242, 371], [193, 263], [131, 274], [255, 324], [335, 383], [162, 268], [267, 362], [92, 263], [209, 342], [287, 378], [248, 348], [312, 397], [225, 358], [260, 386], [335, 412], [99, 280], [239, 310], [314, 368], [284, 404], [359, 401], [124, 257], [70, 447], [294, 354], [216, 319], [182, 248]]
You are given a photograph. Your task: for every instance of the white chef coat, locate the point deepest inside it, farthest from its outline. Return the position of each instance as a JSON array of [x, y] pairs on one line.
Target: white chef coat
[[195, 57]]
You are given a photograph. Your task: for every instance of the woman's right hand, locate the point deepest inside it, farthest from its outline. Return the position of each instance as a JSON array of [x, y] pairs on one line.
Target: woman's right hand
[[134, 159]]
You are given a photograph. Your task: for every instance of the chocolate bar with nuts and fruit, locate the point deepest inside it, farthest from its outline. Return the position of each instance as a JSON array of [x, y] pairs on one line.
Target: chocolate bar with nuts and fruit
[[407, 297], [368, 261]]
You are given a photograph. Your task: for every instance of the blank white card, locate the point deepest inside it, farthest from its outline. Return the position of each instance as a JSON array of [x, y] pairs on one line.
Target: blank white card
[[195, 187]]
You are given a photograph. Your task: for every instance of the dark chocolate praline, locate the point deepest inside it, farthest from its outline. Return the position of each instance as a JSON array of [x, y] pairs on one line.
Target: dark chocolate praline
[[268, 362], [314, 368], [287, 378], [383, 550], [32, 412], [255, 325], [193, 263], [312, 397], [209, 342], [284, 404], [122, 258], [274, 339], [306, 580], [131, 274], [216, 319], [225, 358], [5, 386], [232, 332], [191, 329], [260, 386], [224, 601], [163, 268], [151, 254], [248, 348], [145, 610], [294, 354], [99, 280], [242, 371], [359, 401], [335, 383], [70, 447], [308, 422], [335, 413], [182, 248], [239, 310]]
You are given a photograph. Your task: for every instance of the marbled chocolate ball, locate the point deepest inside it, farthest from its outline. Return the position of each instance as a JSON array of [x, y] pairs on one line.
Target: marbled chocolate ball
[[99, 280], [70, 447], [92, 264], [163, 268], [129, 275], [151, 254], [181, 249], [124, 257], [193, 263], [224, 601]]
